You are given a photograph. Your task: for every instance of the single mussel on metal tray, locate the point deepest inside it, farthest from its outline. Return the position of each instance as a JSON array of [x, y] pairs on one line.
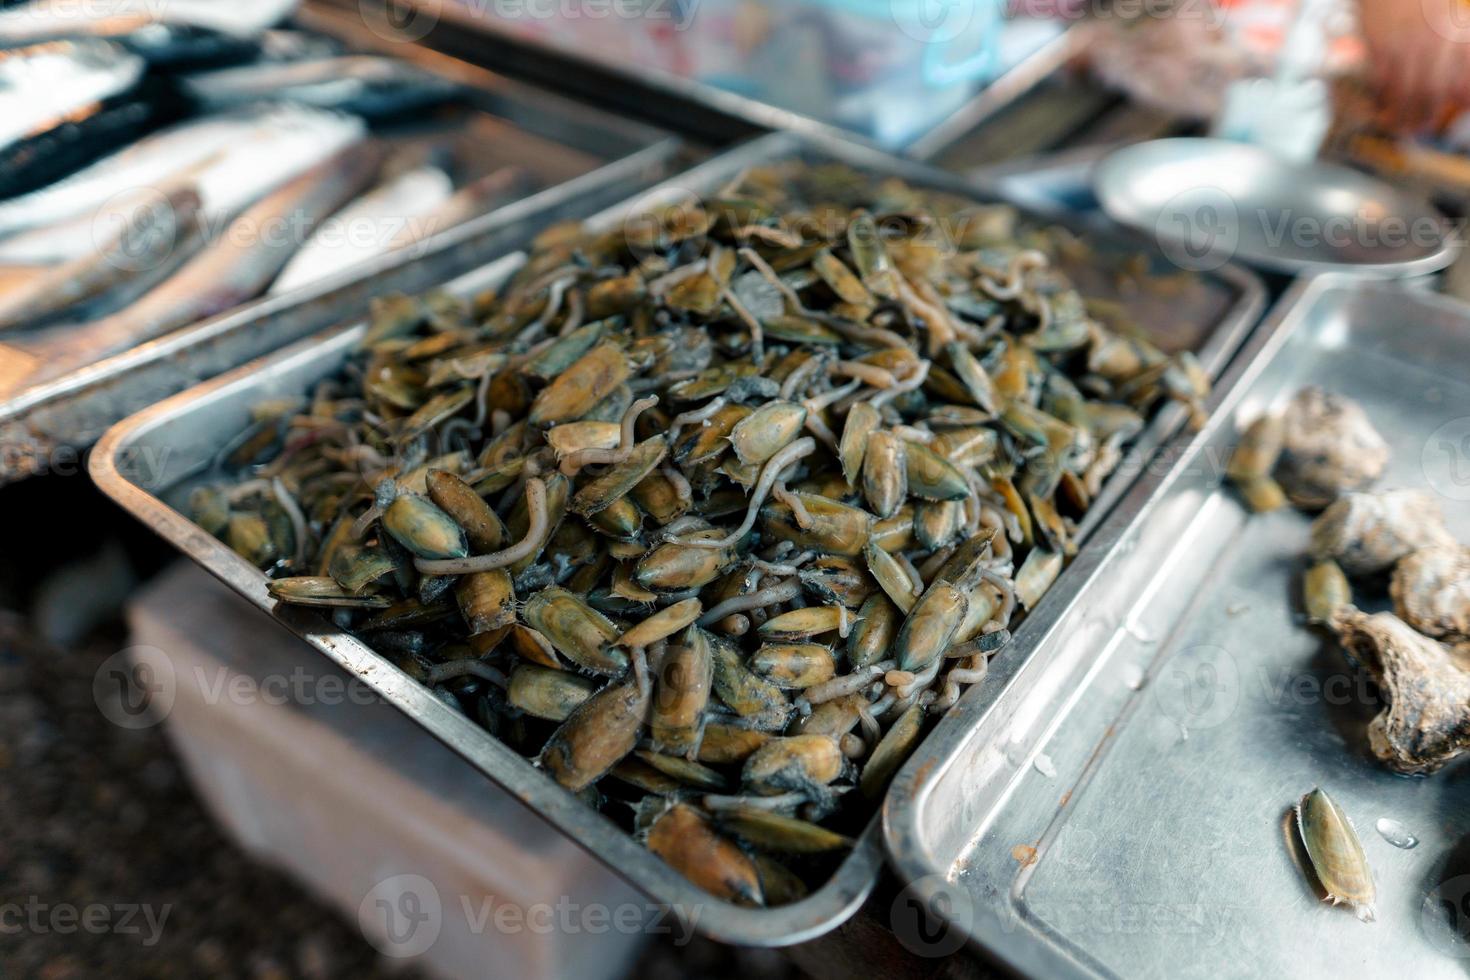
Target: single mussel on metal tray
[[710, 515]]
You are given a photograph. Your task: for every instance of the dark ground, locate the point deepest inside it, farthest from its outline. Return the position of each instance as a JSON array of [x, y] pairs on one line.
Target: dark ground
[[95, 815]]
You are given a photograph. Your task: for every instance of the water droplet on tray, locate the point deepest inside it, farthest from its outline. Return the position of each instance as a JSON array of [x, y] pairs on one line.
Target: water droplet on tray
[[1396, 833], [1015, 753], [1044, 766]]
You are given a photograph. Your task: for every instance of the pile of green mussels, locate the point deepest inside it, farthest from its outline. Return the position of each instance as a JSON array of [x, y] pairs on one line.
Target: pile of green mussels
[[710, 515]]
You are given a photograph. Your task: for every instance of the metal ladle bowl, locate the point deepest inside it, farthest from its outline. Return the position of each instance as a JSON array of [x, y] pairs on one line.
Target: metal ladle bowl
[[1208, 201]]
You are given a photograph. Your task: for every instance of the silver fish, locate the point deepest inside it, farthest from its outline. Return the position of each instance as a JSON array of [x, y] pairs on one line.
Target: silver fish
[[145, 163], [366, 227], [231, 269], [142, 252], [366, 84], [57, 18], [470, 201], [44, 84], [285, 142], [164, 46]]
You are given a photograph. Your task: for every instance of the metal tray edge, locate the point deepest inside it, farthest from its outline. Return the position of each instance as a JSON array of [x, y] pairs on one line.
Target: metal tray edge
[[826, 908], [682, 95], [904, 840], [35, 421], [855, 878]]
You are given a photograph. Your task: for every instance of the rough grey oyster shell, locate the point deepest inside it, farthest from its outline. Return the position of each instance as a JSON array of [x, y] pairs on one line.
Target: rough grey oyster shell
[[1329, 447], [1431, 591], [1367, 532], [1426, 722]]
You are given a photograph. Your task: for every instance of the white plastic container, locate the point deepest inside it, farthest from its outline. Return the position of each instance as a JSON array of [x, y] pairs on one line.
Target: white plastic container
[[309, 771]]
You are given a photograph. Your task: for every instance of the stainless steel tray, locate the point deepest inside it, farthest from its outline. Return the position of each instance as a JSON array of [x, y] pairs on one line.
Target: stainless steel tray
[[1116, 802], [152, 454], [1059, 181], [1000, 94], [571, 149], [1250, 187], [697, 109]]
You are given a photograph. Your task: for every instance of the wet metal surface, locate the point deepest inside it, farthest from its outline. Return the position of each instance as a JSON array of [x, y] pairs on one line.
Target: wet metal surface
[[1185, 706], [1210, 199]]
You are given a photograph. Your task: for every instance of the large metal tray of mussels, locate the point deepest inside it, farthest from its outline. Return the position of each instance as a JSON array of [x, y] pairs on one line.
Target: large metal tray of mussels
[[1120, 801], [632, 562], [62, 386]]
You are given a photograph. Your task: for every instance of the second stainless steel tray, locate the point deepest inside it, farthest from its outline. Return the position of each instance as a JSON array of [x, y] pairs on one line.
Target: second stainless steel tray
[[1117, 803], [698, 109], [569, 149], [151, 455]]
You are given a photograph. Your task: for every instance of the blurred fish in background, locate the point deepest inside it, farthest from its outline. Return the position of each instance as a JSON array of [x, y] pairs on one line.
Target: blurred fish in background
[[163, 163]]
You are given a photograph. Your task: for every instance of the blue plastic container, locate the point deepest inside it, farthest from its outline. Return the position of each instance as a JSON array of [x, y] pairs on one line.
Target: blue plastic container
[[888, 69]]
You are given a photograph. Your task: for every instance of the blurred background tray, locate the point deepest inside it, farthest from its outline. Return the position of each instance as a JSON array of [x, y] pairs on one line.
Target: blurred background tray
[[905, 75], [566, 150]]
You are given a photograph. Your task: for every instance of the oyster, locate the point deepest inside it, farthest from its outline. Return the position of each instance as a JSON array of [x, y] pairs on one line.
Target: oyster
[[1328, 448], [1367, 532], [1431, 592], [1427, 720]]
